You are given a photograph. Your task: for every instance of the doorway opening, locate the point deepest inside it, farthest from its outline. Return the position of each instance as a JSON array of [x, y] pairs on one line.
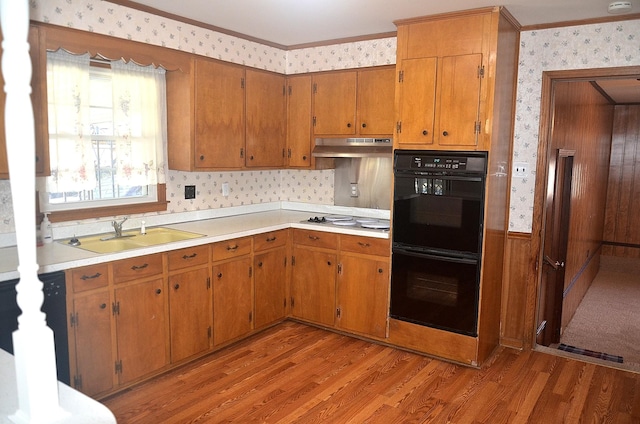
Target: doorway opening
[[571, 195]]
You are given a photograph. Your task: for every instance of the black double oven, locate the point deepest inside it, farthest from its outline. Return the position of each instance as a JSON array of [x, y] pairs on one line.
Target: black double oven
[[438, 215]]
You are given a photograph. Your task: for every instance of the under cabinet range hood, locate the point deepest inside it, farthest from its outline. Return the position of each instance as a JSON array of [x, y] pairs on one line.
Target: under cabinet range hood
[[353, 147]]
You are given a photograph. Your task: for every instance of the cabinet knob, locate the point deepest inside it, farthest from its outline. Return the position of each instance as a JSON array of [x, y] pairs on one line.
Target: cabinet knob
[[329, 263], [158, 291], [251, 157], [380, 270], [177, 286], [445, 133], [103, 305], [364, 125], [219, 275], [259, 264], [304, 157], [201, 157], [425, 132], [349, 125]]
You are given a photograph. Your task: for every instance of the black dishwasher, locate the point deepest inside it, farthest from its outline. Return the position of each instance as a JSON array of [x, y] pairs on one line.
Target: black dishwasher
[[54, 306]]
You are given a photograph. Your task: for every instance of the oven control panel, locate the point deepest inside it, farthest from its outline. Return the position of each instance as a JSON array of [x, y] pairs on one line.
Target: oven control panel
[[414, 161], [434, 162]]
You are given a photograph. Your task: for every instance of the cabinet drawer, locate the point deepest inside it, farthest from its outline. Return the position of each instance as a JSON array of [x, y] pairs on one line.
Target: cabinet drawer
[[90, 277], [191, 256], [231, 248], [316, 238], [135, 268], [269, 240], [366, 245]]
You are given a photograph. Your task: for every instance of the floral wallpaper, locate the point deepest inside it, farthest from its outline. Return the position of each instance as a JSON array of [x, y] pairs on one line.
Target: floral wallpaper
[[604, 45], [586, 46]]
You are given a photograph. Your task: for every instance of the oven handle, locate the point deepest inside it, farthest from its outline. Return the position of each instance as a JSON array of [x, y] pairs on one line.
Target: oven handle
[[446, 258], [440, 176]]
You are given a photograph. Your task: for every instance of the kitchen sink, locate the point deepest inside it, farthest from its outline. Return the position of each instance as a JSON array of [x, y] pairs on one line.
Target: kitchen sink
[[108, 243]]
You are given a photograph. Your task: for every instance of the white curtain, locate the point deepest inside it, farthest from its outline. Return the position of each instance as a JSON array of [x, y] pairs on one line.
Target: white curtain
[[70, 151], [139, 111]]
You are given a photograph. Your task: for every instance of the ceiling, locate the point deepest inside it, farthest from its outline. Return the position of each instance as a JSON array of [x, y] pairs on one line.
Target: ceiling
[[294, 22]]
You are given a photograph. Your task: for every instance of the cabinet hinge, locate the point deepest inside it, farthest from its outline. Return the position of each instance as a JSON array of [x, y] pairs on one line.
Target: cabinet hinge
[[315, 87], [285, 261], [209, 332], [283, 153], [285, 302], [401, 76], [115, 307], [241, 82], [292, 302], [289, 154], [293, 261], [480, 71], [339, 268], [314, 121], [119, 366], [77, 382], [477, 129], [73, 319], [250, 271], [290, 90], [250, 316], [399, 127], [242, 152], [208, 283], [338, 312], [284, 90]]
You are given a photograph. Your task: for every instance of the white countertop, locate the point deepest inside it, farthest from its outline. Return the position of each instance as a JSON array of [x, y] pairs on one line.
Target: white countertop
[[58, 256]]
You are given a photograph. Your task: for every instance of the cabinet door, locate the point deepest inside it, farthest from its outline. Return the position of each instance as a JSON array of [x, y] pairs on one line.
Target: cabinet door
[[189, 313], [376, 88], [266, 119], [140, 329], [270, 286], [220, 118], [334, 103], [299, 139], [459, 100], [363, 295], [93, 352], [232, 300], [416, 101], [313, 285]]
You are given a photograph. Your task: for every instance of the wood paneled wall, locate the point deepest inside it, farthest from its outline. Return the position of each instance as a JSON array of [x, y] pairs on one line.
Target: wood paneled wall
[[582, 121], [622, 221]]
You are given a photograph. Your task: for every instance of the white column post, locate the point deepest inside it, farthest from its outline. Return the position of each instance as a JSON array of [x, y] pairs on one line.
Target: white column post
[[33, 341]]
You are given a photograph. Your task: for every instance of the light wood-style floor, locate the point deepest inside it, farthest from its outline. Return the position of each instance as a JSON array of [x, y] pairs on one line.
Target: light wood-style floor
[[294, 373]]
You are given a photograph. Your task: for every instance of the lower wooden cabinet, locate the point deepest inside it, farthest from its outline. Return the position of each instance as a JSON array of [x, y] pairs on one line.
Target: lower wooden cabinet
[[232, 299], [270, 282]]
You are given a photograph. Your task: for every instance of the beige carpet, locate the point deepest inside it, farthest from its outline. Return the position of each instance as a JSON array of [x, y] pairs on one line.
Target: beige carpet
[[608, 319]]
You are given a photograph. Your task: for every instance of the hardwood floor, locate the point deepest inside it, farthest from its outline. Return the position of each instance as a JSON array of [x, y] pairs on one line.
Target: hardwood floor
[[293, 373]]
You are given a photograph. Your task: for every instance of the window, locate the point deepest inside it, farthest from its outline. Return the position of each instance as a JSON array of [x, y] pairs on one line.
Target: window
[[106, 133]]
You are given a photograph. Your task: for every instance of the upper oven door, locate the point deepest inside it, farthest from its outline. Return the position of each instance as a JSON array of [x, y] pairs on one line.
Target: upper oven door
[[438, 212]]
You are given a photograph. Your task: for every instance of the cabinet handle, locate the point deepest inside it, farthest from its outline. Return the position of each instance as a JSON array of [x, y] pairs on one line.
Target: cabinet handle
[[177, 286], [364, 244], [138, 268], [270, 239], [304, 157], [380, 271], [234, 247], [349, 125], [193, 255], [90, 277], [364, 125], [103, 305], [314, 238], [445, 133], [425, 132], [158, 291]]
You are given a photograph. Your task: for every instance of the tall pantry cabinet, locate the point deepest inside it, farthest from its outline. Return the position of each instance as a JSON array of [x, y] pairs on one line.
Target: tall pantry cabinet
[[455, 90]]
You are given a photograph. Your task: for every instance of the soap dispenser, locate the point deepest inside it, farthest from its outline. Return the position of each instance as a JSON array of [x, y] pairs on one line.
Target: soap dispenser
[[45, 227]]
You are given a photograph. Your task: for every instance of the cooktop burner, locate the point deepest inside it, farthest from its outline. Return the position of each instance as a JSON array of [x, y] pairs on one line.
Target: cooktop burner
[[341, 220], [317, 219]]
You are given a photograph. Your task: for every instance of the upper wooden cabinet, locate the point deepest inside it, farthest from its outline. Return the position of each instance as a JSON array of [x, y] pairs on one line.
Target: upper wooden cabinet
[[351, 103], [299, 121], [455, 74], [39, 101], [223, 116]]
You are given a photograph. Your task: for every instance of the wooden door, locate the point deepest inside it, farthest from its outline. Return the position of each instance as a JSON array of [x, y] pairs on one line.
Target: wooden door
[[554, 251], [458, 100], [219, 115], [416, 93], [93, 349], [190, 313], [232, 299], [363, 295], [313, 284], [270, 280], [299, 142], [334, 103], [375, 107], [141, 329], [266, 119]]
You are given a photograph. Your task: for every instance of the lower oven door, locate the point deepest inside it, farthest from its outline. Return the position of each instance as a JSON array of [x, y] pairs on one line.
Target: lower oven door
[[435, 291]]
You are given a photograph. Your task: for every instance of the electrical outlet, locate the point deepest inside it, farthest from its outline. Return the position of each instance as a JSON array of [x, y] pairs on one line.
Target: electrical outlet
[[225, 189], [521, 169], [354, 190], [189, 192]]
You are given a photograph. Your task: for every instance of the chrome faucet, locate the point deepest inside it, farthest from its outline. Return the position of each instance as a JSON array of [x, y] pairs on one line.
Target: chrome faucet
[[118, 226]]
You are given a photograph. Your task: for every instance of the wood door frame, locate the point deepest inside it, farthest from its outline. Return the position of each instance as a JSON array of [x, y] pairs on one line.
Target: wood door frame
[[549, 79]]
